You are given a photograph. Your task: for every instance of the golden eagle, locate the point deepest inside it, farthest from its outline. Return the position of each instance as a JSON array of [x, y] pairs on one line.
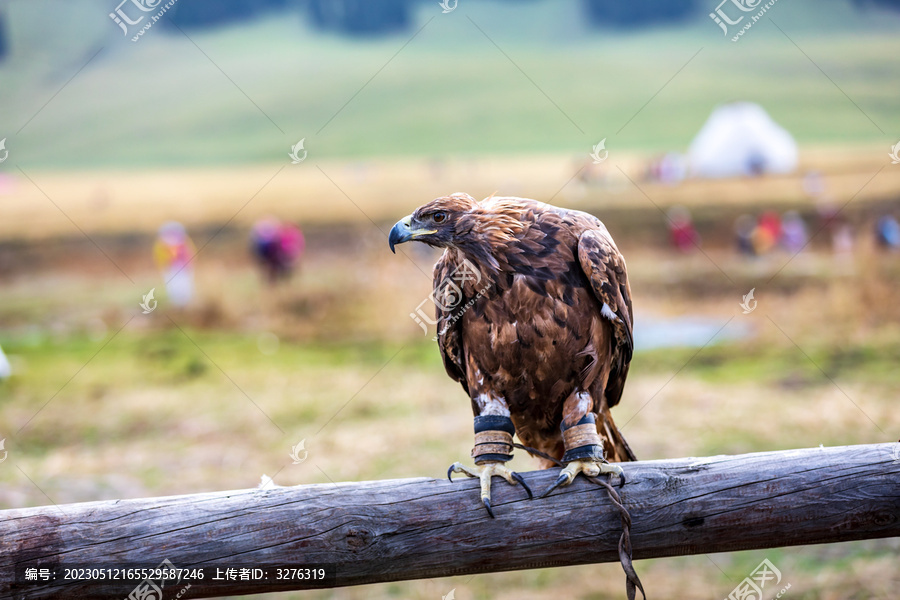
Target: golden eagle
[[534, 320]]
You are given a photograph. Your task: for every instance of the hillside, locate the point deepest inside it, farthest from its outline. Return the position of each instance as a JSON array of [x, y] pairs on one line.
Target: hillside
[[462, 87]]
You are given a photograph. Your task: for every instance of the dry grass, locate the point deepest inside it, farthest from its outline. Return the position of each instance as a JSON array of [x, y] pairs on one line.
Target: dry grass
[[151, 416], [383, 190], [353, 375]]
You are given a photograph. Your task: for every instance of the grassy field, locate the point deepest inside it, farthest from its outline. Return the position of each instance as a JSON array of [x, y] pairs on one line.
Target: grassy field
[[51, 204], [153, 412], [501, 97], [102, 438], [246, 94]]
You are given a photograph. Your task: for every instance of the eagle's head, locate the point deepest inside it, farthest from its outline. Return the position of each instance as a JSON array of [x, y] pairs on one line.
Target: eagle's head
[[435, 223]]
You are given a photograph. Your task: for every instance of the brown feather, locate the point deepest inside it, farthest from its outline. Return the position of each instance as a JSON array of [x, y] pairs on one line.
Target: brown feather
[[531, 330]]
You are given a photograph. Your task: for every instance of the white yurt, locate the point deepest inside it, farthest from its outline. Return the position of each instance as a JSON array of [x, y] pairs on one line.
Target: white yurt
[[5, 368], [741, 138]]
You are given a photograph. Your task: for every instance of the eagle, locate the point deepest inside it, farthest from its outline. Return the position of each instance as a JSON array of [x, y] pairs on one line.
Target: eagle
[[534, 320]]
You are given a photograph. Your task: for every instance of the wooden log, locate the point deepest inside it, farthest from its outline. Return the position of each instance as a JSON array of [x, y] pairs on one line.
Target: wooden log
[[421, 528]]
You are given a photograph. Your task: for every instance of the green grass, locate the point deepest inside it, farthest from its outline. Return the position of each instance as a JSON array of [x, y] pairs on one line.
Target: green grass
[[152, 415], [175, 364], [450, 92], [779, 365]]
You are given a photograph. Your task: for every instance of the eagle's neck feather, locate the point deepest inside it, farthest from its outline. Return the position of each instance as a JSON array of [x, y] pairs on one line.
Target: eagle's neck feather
[[485, 237]]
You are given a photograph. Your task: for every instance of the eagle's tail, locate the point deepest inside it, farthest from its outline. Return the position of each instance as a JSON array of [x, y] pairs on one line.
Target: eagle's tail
[[615, 447]]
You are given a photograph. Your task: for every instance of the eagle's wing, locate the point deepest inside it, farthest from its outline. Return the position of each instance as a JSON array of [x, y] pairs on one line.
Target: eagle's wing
[[605, 267], [449, 333]]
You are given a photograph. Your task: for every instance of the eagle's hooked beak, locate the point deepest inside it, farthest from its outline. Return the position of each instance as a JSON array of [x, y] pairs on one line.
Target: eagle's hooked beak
[[403, 231]]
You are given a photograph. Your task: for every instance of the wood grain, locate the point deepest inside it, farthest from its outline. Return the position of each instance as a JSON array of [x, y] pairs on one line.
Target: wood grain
[[416, 528]]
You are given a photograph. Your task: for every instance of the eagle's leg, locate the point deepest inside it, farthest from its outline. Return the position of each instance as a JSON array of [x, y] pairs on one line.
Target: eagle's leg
[[493, 448], [584, 452]]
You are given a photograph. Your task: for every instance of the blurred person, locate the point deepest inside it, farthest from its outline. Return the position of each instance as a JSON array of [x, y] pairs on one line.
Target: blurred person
[[172, 253], [673, 168], [681, 229], [767, 233], [838, 228], [264, 246], [744, 226], [793, 232], [277, 247], [887, 233], [669, 168], [842, 241], [771, 222]]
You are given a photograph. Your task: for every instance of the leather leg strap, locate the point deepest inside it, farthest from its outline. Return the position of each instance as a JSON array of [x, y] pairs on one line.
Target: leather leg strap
[[493, 439], [582, 440]]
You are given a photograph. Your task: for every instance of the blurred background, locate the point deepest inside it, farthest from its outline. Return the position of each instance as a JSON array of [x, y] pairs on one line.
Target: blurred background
[[197, 289]]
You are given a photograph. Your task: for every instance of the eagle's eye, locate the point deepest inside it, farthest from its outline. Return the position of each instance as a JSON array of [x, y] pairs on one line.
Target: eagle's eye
[[439, 217]]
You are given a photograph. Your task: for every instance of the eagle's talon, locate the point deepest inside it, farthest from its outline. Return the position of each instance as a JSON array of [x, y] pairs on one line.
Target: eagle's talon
[[521, 480], [487, 505], [563, 477], [610, 469], [589, 468], [458, 467], [484, 473]]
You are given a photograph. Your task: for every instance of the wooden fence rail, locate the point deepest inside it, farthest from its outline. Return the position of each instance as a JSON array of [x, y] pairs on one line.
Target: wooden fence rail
[[356, 533]]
